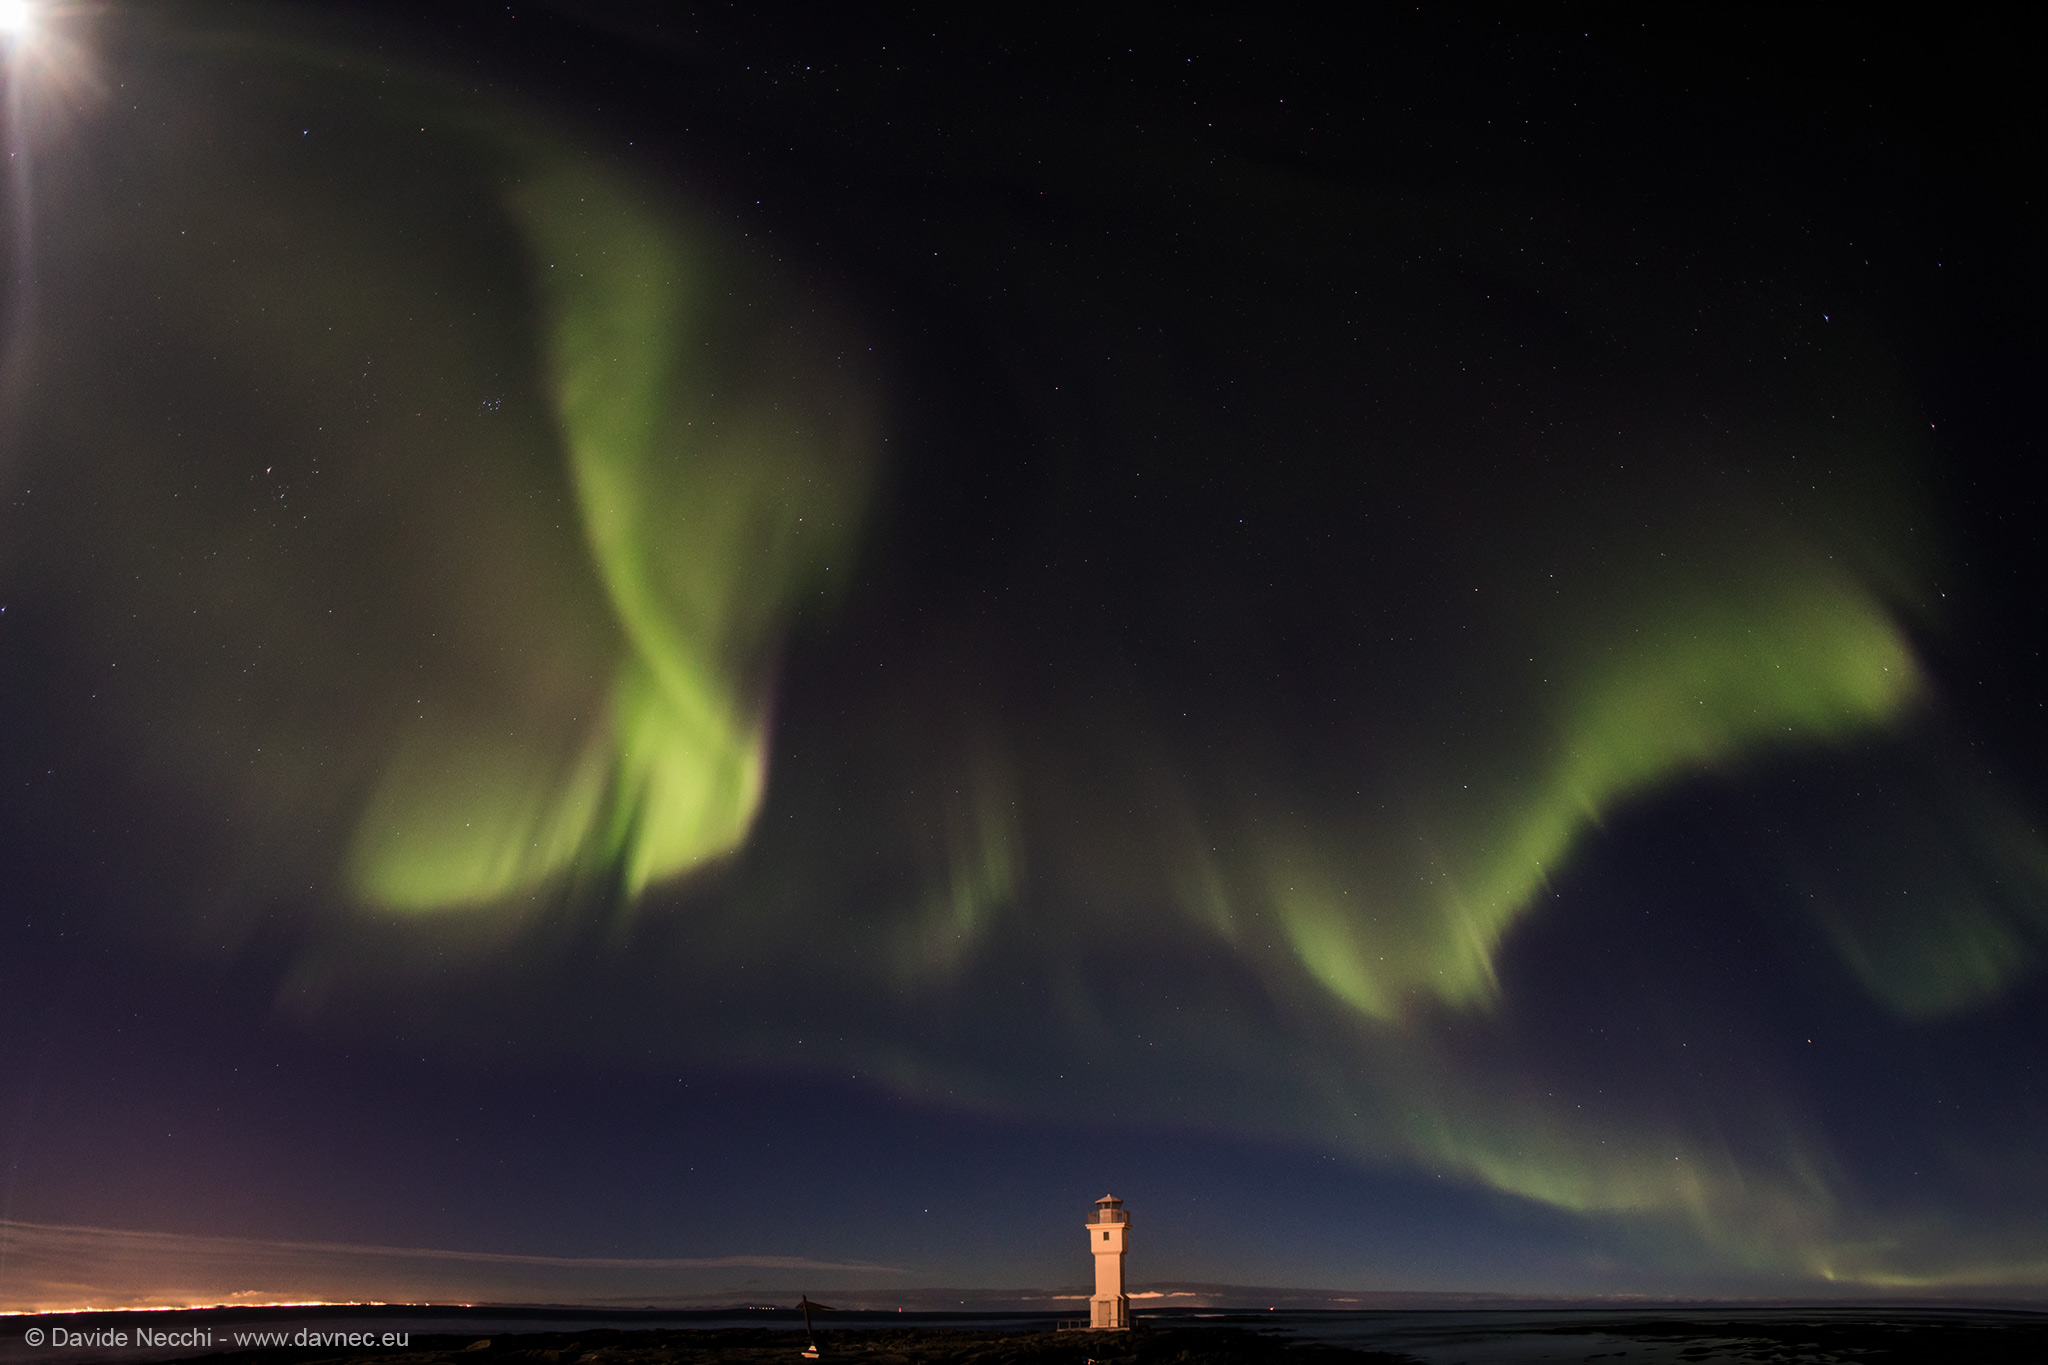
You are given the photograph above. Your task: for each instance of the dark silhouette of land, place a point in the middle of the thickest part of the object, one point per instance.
(1781, 1336)
(881, 1346)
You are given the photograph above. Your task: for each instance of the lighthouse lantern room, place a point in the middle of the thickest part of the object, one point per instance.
(1109, 1230)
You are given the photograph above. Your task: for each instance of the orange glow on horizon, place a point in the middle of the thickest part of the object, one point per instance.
(194, 1307)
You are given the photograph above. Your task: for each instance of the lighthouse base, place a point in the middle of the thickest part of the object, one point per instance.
(1111, 1314)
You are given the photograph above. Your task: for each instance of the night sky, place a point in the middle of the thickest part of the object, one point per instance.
(787, 642)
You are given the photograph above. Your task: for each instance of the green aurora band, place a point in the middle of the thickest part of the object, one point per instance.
(1806, 656)
(706, 515)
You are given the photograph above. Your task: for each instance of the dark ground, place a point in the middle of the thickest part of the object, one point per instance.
(910, 1346)
(1957, 1341)
(1965, 1339)
(865, 1347)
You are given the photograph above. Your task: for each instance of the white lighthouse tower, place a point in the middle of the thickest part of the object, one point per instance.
(1109, 1230)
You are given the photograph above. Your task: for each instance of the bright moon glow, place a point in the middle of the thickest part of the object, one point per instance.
(17, 17)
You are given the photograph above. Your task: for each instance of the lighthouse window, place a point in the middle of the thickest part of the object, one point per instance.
(1105, 1237)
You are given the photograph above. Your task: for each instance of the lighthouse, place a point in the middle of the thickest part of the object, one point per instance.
(1109, 1230)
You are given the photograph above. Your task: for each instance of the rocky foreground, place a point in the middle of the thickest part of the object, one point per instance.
(1775, 1338)
(911, 1346)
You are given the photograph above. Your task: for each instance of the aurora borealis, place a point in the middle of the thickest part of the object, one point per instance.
(760, 642)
